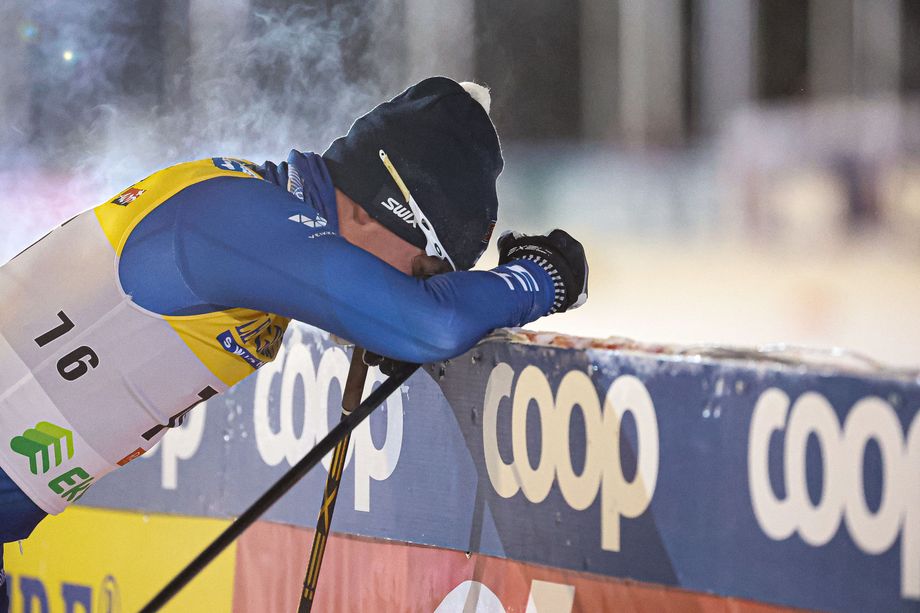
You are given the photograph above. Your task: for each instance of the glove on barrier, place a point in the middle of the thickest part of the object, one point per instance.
(558, 254)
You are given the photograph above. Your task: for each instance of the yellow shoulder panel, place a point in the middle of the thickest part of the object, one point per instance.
(232, 343)
(124, 211)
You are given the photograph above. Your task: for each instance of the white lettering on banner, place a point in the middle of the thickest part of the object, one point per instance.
(544, 596)
(295, 362)
(179, 443)
(602, 470)
(843, 493)
(547, 596)
(371, 462)
(292, 362)
(471, 596)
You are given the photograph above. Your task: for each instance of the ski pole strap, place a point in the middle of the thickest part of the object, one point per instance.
(281, 487)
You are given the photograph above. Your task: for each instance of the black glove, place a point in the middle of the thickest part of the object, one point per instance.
(557, 253)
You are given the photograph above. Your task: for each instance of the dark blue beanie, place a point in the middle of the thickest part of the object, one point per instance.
(445, 148)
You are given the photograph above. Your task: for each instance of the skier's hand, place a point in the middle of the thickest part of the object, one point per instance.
(387, 365)
(557, 253)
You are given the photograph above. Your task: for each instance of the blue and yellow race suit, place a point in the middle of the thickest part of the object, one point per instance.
(122, 319)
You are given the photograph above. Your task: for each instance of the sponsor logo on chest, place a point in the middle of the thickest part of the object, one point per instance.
(310, 222)
(256, 342)
(235, 165)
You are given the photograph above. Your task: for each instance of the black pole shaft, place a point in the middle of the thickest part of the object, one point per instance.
(281, 487)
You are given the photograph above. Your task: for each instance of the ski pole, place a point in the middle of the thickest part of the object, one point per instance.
(423, 267)
(281, 487)
(351, 398)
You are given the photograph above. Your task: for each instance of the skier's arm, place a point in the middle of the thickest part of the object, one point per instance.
(271, 263)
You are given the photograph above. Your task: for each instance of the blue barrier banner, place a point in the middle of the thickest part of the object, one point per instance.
(786, 484)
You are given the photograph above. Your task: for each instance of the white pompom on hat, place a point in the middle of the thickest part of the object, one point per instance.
(479, 93)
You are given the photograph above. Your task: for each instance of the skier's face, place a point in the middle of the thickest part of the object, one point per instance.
(361, 230)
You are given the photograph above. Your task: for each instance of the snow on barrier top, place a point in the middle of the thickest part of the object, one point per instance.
(761, 475)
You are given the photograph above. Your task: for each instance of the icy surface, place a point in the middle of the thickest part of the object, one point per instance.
(830, 360)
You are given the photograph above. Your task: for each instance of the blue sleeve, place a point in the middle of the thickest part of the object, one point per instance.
(238, 246)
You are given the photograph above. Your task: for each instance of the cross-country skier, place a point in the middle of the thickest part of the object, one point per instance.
(119, 321)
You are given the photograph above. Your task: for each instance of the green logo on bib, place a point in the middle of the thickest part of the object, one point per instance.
(37, 444)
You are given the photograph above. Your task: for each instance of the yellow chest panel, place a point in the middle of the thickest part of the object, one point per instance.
(232, 343)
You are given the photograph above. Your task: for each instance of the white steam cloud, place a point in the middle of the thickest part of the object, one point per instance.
(228, 79)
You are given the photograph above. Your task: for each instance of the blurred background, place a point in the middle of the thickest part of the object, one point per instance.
(743, 172)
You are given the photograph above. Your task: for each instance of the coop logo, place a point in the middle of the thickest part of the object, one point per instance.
(400, 210)
(602, 472)
(44, 444)
(309, 381)
(843, 497)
